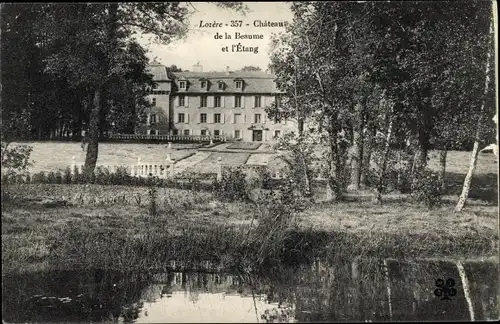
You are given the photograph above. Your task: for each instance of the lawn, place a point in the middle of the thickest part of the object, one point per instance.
(244, 146)
(54, 156)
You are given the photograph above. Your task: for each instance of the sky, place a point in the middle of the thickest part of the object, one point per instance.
(200, 45)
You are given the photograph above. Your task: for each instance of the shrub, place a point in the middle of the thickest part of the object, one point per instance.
(427, 188)
(51, 177)
(66, 176)
(120, 177)
(275, 211)
(232, 187)
(265, 175)
(39, 177)
(153, 183)
(102, 176)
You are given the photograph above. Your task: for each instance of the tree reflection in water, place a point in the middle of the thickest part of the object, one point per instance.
(360, 289)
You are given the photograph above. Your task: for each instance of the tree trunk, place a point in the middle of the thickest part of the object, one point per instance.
(93, 134)
(473, 160)
(442, 168)
(307, 183)
(369, 143)
(333, 192)
(356, 151)
(419, 163)
(385, 157)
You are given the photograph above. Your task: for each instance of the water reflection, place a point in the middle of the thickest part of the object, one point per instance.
(354, 290)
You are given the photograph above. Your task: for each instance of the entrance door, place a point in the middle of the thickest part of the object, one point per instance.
(257, 136)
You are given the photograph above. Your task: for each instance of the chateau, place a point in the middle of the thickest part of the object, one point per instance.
(227, 104)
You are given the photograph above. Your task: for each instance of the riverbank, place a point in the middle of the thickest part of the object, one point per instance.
(114, 227)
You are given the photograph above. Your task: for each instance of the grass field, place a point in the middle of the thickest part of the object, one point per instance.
(34, 236)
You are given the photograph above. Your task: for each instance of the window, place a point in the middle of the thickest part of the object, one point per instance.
(175, 132)
(148, 132)
(257, 119)
(203, 132)
(277, 133)
(203, 84)
(237, 118)
(216, 118)
(186, 132)
(157, 132)
(237, 101)
(217, 101)
(237, 134)
(180, 118)
(239, 84)
(182, 85)
(152, 119)
(182, 101)
(203, 118)
(220, 86)
(257, 101)
(154, 102)
(216, 132)
(203, 101)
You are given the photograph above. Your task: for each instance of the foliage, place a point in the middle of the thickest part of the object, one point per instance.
(301, 156)
(337, 61)
(427, 188)
(232, 186)
(251, 68)
(16, 158)
(153, 196)
(275, 211)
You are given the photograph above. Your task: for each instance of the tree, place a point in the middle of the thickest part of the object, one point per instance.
(468, 179)
(173, 68)
(93, 42)
(336, 59)
(322, 73)
(251, 68)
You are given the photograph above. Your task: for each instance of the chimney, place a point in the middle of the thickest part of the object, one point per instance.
(227, 70)
(198, 67)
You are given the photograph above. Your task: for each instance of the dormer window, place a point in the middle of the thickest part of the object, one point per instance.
(182, 84)
(203, 84)
(239, 84)
(220, 85)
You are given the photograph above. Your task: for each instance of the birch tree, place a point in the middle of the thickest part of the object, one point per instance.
(473, 160)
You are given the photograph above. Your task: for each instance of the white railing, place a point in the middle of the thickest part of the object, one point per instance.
(174, 138)
(162, 169)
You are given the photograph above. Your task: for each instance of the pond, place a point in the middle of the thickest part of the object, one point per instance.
(360, 289)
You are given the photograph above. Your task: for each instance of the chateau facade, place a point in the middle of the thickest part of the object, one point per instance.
(228, 104)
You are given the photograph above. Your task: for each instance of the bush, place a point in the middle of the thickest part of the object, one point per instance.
(153, 183)
(52, 178)
(232, 187)
(67, 176)
(39, 178)
(265, 175)
(427, 188)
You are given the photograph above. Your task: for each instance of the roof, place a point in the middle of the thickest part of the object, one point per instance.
(254, 81)
(158, 71)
